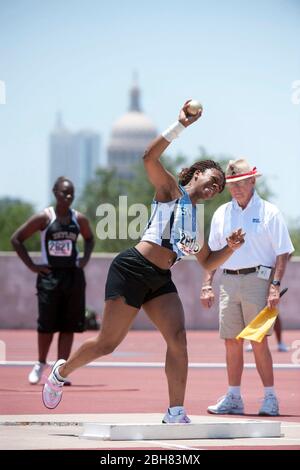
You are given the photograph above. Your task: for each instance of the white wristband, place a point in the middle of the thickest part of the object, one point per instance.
(173, 131)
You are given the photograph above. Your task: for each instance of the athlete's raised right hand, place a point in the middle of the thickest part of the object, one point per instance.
(185, 118)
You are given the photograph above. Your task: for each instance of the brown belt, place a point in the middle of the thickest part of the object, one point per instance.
(241, 271)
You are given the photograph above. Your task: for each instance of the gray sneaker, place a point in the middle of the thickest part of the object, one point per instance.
(282, 347)
(269, 406)
(227, 405)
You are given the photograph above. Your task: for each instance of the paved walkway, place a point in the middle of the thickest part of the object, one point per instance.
(64, 432)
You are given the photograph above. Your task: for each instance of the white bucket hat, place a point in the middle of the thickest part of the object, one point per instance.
(238, 170)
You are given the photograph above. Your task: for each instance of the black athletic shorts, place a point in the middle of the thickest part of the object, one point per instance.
(136, 279)
(61, 301)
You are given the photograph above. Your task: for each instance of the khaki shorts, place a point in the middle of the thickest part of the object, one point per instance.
(242, 297)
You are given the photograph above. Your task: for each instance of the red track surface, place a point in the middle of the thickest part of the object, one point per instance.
(138, 390)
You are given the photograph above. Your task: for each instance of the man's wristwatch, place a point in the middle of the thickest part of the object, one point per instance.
(275, 283)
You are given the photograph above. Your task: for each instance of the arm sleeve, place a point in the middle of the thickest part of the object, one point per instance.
(279, 235)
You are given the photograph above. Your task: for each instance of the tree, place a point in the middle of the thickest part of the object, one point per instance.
(13, 213)
(104, 189)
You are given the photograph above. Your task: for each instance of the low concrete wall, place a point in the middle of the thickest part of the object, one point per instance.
(18, 303)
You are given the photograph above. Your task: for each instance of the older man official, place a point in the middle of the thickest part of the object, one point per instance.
(250, 280)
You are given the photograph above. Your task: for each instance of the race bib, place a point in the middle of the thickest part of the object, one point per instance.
(188, 244)
(60, 247)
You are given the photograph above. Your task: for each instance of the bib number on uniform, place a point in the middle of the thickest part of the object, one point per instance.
(60, 247)
(188, 244)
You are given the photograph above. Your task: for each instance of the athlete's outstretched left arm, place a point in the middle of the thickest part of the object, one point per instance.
(210, 260)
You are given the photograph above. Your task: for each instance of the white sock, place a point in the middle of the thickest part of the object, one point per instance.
(269, 391)
(235, 390)
(58, 376)
(175, 410)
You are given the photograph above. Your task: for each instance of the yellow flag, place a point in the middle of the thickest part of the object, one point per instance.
(260, 325)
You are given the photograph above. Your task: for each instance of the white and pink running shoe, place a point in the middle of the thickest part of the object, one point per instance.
(53, 388)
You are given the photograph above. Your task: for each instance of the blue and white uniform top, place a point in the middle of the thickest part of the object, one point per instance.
(58, 241)
(174, 225)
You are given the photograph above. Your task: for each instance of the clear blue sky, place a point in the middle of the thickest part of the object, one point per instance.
(239, 58)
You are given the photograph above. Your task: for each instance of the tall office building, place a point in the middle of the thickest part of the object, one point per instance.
(74, 155)
(130, 136)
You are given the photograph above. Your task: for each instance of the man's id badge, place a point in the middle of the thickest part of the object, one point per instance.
(264, 272)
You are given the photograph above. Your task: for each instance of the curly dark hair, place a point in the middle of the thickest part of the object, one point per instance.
(59, 180)
(186, 174)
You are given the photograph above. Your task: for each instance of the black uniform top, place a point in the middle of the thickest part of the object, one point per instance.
(58, 241)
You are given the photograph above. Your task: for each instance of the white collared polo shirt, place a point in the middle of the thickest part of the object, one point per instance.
(266, 237)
